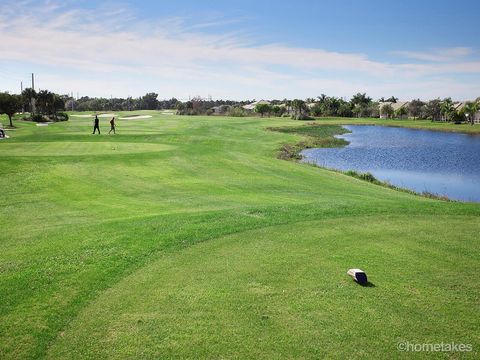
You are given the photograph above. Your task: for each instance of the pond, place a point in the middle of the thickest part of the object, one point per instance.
(437, 162)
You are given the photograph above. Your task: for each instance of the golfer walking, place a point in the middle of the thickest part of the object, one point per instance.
(96, 125)
(112, 125)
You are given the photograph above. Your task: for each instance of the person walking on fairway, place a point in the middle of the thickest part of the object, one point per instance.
(112, 125)
(96, 125)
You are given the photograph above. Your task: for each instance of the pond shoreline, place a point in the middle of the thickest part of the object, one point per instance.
(446, 164)
(327, 139)
(436, 126)
(314, 136)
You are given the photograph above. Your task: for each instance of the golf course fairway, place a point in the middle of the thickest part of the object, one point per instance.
(186, 237)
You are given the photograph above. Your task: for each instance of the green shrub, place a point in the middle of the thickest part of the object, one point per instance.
(237, 112)
(38, 118)
(61, 116)
(457, 118)
(363, 176)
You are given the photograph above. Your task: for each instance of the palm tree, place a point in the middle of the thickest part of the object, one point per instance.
(469, 110)
(361, 99)
(29, 95)
(299, 107)
(392, 99)
(322, 98)
(447, 109)
(45, 101)
(288, 105)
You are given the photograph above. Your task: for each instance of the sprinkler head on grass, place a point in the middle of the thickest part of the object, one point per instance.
(358, 275)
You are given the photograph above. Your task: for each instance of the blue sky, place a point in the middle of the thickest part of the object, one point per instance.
(243, 49)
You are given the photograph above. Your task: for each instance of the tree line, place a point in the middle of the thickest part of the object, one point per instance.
(361, 105)
(41, 106)
(45, 105)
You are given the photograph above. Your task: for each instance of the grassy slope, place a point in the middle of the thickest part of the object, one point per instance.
(104, 251)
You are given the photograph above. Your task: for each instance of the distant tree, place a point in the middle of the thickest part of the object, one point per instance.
(168, 104)
(392, 99)
(58, 104)
(45, 101)
(447, 109)
(360, 104)
(415, 108)
(322, 98)
(371, 110)
(387, 110)
(457, 117)
(382, 99)
(317, 109)
(360, 99)
(401, 112)
(29, 95)
(299, 109)
(433, 110)
(288, 105)
(263, 109)
(278, 110)
(10, 104)
(356, 111)
(469, 110)
(180, 107)
(332, 105)
(149, 101)
(344, 109)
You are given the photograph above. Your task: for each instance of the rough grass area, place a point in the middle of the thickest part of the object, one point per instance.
(185, 237)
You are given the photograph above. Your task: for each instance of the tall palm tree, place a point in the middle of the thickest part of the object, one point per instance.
(29, 95)
(322, 98)
(46, 101)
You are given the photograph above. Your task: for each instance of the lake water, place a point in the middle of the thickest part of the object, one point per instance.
(438, 162)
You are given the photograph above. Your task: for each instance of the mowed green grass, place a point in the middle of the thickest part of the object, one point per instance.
(185, 237)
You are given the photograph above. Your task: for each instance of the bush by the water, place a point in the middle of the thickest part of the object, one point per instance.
(363, 176)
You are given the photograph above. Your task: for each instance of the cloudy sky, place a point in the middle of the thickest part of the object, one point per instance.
(243, 49)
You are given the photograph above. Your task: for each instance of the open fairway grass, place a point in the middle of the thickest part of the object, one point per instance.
(186, 237)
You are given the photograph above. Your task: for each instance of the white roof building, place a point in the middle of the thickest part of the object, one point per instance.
(251, 107)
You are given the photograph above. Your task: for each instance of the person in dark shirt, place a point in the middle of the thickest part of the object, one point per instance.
(2, 133)
(96, 125)
(112, 125)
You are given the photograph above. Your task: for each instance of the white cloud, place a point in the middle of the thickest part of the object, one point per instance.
(437, 55)
(113, 52)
